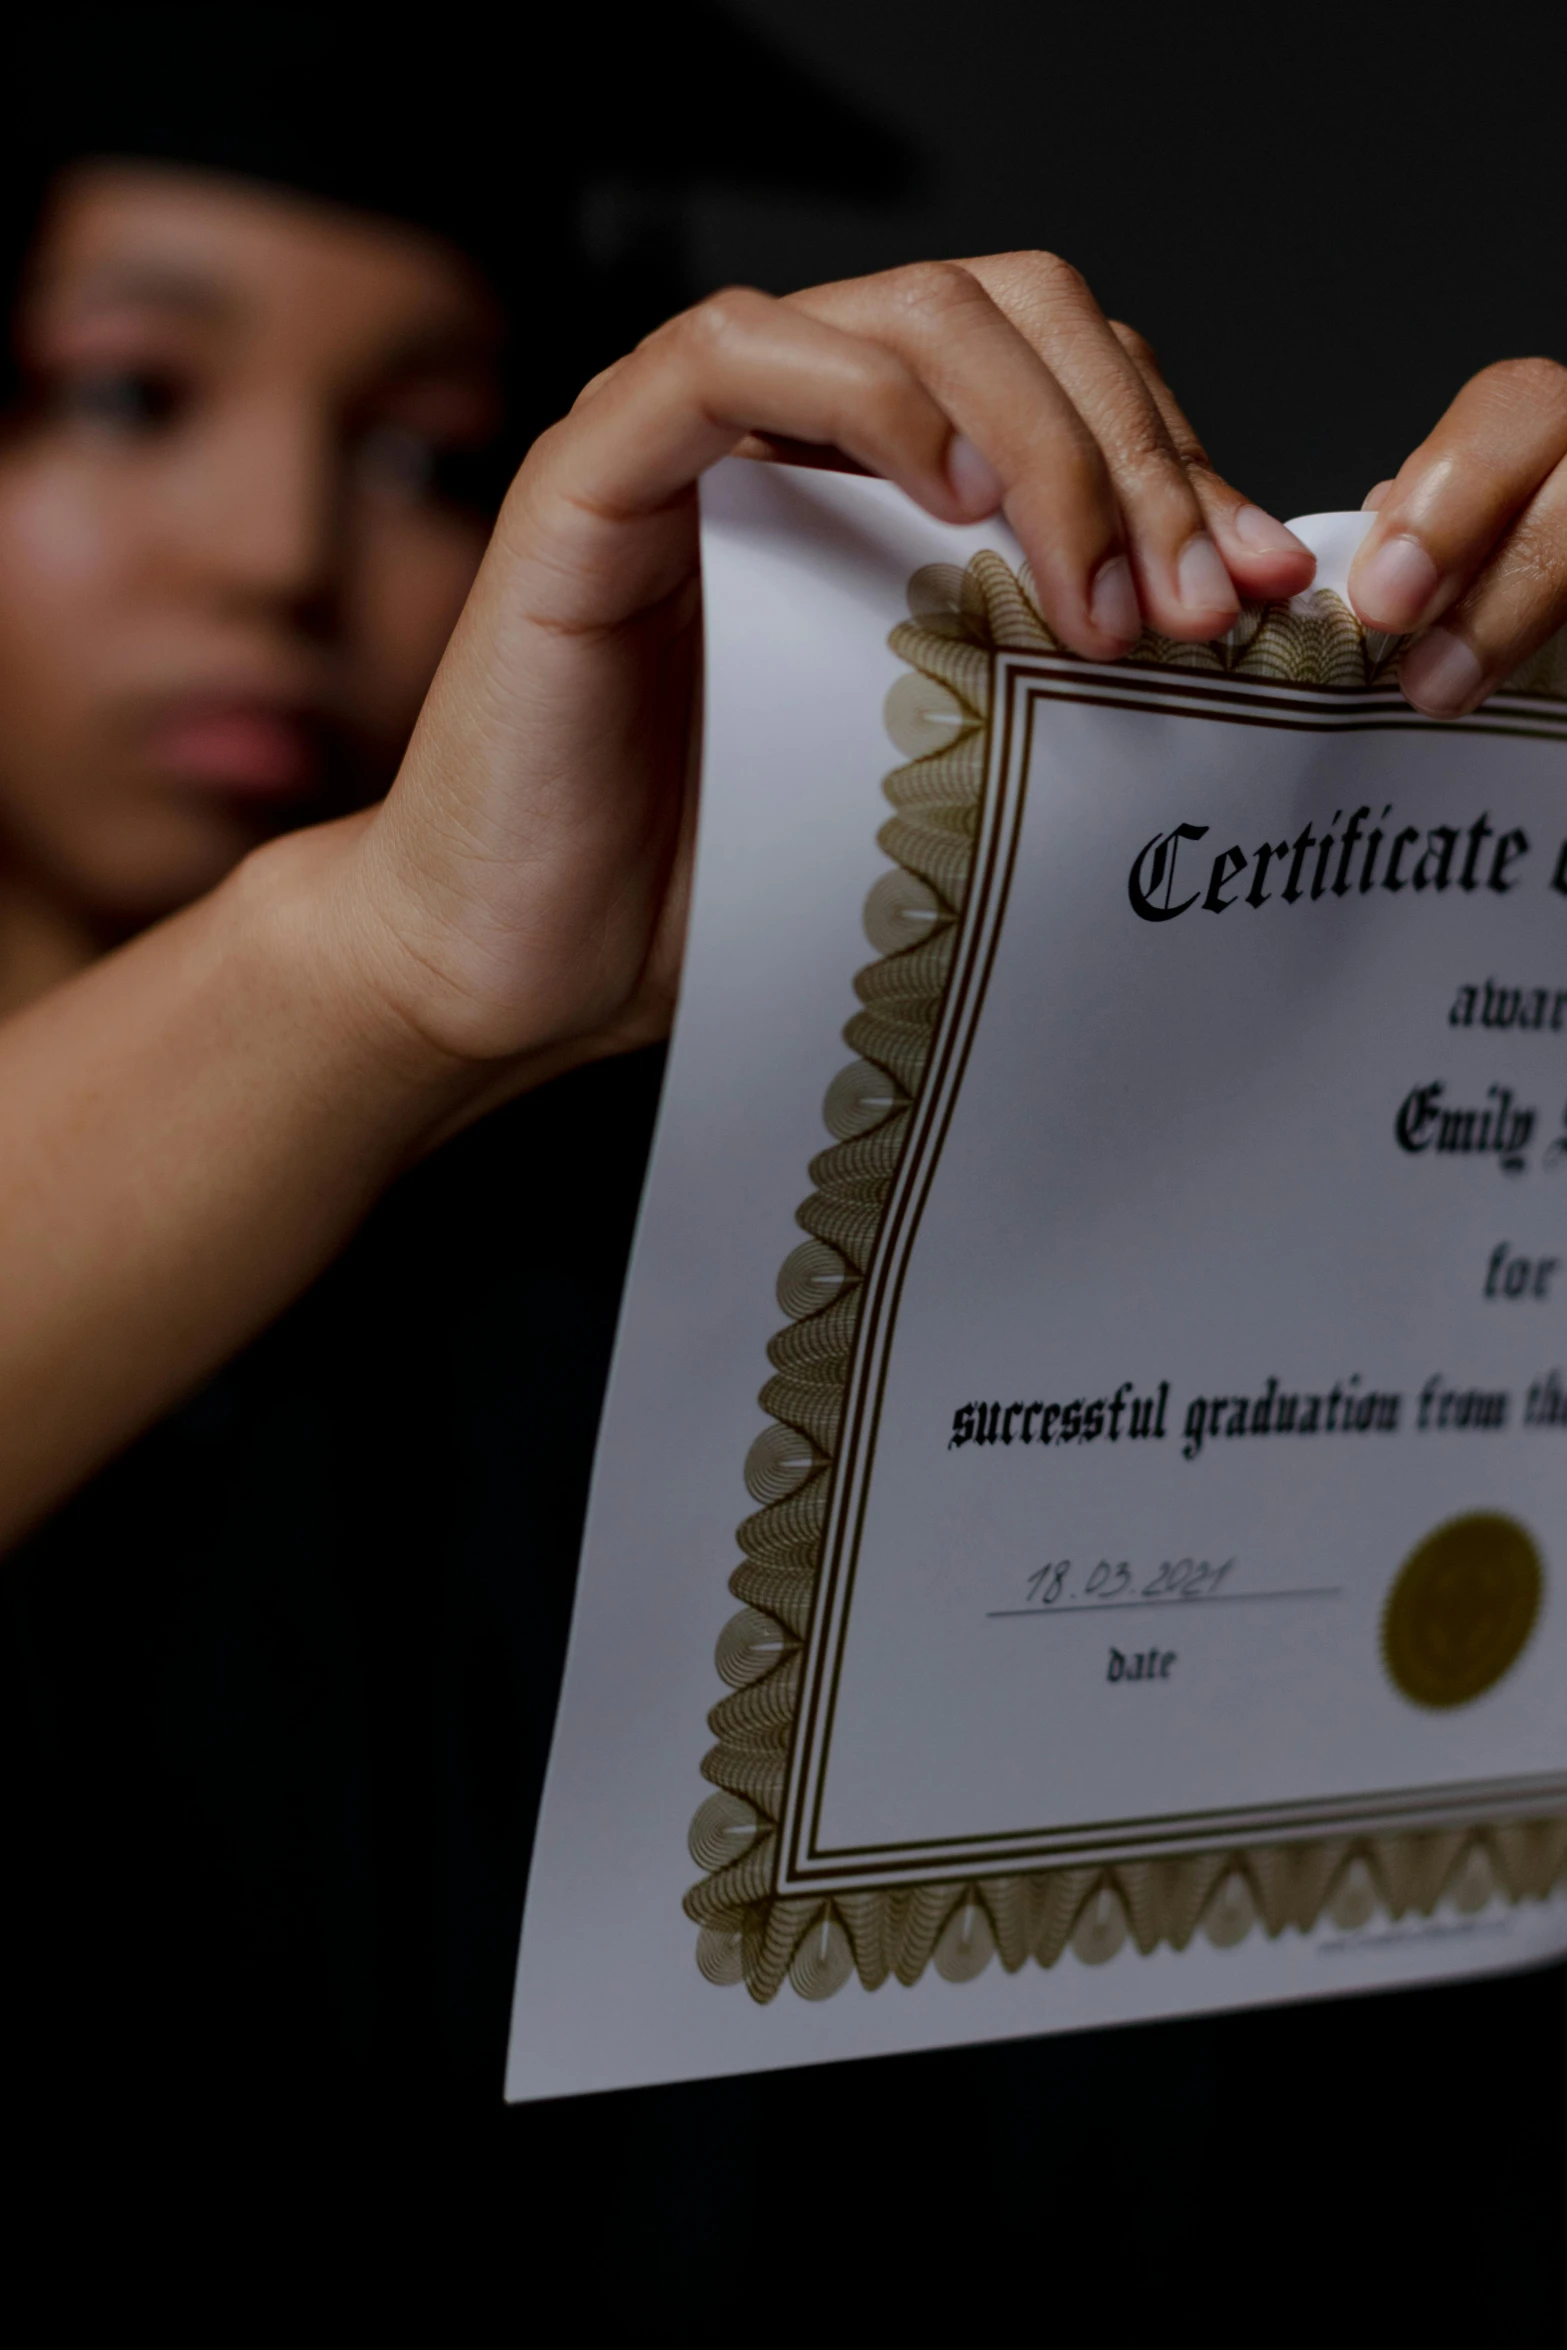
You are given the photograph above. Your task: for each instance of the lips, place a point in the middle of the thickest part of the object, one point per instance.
(241, 749)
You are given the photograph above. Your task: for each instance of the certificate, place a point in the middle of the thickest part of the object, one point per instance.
(1079, 1524)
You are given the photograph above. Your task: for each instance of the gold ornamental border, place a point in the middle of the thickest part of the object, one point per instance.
(939, 716)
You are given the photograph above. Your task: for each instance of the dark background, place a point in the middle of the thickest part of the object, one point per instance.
(1323, 219)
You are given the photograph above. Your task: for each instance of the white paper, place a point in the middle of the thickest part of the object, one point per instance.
(1150, 1164)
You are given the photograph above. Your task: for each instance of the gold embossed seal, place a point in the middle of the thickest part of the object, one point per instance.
(1461, 1609)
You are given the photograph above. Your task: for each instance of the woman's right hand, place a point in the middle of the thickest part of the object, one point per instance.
(521, 895)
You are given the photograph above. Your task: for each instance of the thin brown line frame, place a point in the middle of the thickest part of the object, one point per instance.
(1001, 823)
(1018, 686)
(774, 1906)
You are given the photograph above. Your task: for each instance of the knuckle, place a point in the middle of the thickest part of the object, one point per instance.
(546, 445)
(1536, 556)
(1135, 345)
(549, 458)
(715, 323)
(1141, 442)
(596, 383)
(936, 288)
(1053, 274)
(1532, 383)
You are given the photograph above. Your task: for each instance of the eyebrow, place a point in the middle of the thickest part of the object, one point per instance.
(189, 294)
(151, 284)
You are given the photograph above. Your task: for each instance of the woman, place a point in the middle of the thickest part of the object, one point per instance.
(293, 1477)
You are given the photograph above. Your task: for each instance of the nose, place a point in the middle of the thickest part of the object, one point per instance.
(257, 520)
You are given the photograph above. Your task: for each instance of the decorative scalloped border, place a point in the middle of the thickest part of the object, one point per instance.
(939, 715)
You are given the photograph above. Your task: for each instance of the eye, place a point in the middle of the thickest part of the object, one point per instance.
(397, 463)
(121, 400)
(411, 468)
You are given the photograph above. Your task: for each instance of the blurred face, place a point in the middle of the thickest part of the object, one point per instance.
(229, 561)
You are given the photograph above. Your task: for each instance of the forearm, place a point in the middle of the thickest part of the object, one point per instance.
(188, 1133)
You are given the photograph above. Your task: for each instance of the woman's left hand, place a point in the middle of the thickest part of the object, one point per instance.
(1470, 541)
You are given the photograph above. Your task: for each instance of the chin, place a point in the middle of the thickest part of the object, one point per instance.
(148, 871)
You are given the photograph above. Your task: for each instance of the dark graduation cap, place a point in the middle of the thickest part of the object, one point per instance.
(487, 129)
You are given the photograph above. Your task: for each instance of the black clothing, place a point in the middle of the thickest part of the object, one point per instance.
(288, 1667)
(277, 1691)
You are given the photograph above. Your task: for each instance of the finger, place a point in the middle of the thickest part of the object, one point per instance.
(1376, 498)
(596, 383)
(1518, 601)
(1265, 559)
(1455, 497)
(1177, 507)
(738, 363)
(1058, 496)
(1182, 581)
(811, 456)
(1015, 345)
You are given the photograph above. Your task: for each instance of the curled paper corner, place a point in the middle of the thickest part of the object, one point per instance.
(1335, 540)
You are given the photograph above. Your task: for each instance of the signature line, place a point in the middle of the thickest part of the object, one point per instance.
(1122, 1607)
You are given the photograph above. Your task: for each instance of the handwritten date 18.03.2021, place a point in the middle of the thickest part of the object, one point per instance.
(1115, 1582)
(1059, 1588)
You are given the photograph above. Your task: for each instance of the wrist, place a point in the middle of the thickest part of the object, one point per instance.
(375, 1021)
(299, 913)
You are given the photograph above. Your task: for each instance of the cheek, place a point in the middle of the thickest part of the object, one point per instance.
(61, 543)
(55, 551)
(63, 575)
(405, 588)
(73, 598)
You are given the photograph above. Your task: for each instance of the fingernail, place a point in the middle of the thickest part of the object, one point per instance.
(1395, 584)
(1442, 675)
(975, 481)
(1201, 579)
(1112, 606)
(1263, 535)
(1375, 498)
